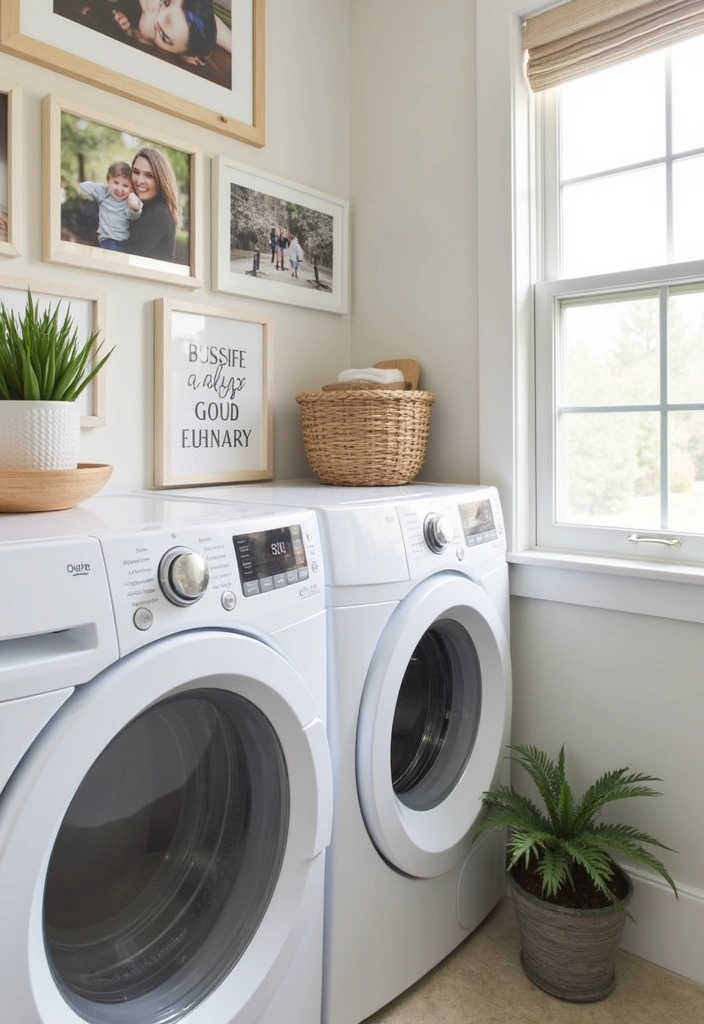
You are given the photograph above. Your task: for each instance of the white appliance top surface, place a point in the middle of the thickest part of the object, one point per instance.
(313, 494)
(136, 512)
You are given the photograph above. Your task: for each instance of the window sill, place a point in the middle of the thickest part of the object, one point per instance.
(636, 587)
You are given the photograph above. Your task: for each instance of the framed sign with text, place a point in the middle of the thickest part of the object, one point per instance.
(213, 418)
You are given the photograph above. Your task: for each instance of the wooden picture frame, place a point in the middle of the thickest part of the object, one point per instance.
(78, 141)
(87, 308)
(82, 38)
(10, 121)
(213, 419)
(246, 206)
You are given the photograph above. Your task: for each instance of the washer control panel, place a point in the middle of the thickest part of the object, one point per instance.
(270, 559)
(222, 572)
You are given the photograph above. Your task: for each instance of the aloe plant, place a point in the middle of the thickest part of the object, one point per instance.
(41, 357)
(566, 834)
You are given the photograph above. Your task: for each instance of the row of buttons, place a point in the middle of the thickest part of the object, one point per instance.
(275, 582)
(480, 538)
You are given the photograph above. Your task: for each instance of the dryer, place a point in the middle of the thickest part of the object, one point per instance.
(419, 703)
(165, 778)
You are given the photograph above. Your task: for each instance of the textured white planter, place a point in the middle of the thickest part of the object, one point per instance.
(39, 435)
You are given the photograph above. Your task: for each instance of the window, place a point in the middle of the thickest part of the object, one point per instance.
(619, 310)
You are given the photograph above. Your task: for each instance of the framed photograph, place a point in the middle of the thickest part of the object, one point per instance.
(87, 309)
(118, 199)
(206, 66)
(9, 169)
(212, 381)
(276, 240)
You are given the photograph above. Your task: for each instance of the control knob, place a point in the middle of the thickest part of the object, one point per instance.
(183, 576)
(438, 531)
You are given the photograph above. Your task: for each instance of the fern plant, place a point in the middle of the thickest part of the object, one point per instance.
(566, 834)
(41, 357)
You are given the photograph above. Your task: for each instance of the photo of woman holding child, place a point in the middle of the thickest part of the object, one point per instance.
(124, 194)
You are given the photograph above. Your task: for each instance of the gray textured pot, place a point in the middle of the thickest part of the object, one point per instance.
(569, 953)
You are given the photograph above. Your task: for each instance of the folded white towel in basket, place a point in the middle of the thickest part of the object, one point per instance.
(373, 374)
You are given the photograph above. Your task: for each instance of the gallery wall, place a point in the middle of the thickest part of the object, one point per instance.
(307, 143)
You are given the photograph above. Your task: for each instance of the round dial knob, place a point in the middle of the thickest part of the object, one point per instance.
(183, 576)
(438, 532)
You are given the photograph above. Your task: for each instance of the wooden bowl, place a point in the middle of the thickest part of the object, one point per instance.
(52, 489)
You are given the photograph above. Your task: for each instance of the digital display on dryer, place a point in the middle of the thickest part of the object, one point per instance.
(270, 559)
(477, 522)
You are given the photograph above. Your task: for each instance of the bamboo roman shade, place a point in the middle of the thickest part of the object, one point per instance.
(584, 35)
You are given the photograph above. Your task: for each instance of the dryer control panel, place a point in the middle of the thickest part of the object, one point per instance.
(453, 531)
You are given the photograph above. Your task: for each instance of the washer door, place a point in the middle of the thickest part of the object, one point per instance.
(156, 844)
(432, 725)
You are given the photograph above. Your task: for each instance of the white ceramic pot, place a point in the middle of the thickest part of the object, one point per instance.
(39, 435)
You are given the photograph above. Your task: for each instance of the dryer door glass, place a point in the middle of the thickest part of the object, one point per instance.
(436, 717)
(166, 859)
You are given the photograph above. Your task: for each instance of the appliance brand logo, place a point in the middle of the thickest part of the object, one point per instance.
(78, 568)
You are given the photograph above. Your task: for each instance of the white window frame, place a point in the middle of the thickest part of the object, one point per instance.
(662, 546)
(507, 251)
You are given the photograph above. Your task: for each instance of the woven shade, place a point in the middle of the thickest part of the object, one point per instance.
(585, 35)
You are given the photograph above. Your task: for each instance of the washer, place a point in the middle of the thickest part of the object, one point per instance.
(419, 703)
(165, 777)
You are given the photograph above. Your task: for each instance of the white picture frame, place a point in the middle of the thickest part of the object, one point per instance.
(73, 37)
(87, 308)
(10, 177)
(69, 237)
(213, 418)
(243, 259)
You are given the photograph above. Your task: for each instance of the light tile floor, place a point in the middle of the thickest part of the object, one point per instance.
(482, 983)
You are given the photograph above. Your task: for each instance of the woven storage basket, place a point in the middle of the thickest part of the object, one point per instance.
(366, 437)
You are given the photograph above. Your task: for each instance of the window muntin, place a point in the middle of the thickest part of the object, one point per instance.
(620, 313)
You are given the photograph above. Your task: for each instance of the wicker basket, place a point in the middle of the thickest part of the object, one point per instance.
(365, 437)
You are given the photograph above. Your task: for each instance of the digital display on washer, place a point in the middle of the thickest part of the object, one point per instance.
(477, 522)
(270, 559)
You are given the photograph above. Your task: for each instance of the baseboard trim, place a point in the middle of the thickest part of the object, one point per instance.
(666, 931)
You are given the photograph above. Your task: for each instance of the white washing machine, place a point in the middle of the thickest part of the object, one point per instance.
(165, 778)
(419, 702)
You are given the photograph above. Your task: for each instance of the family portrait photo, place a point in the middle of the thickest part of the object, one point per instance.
(195, 35)
(125, 200)
(278, 240)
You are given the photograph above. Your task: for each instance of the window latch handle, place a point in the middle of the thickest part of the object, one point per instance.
(670, 542)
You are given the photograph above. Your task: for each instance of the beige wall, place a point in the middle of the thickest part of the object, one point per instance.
(307, 104)
(412, 133)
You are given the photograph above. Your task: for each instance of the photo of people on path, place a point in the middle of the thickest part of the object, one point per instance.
(278, 240)
(195, 35)
(123, 193)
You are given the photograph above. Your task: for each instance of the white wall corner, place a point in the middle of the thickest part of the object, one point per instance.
(667, 931)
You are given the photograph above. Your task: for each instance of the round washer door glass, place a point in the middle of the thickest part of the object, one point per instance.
(433, 723)
(167, 858)
(437, 715)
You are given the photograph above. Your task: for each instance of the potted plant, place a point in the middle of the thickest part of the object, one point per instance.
(570, 896)
(43, 370)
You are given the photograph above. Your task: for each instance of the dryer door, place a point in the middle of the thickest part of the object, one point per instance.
(433, 723)
(158, 842)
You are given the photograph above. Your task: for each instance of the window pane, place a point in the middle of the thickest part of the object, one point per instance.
(614, 223)
(688, 209)
(686, 347)
(686, 483)
(613, 118)
(609, 470)
(687, 91)
(611, 353)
